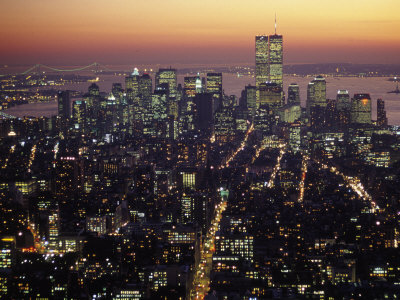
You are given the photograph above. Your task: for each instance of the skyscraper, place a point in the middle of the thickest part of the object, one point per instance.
(275, 59)
(167, 76)
(316, 94)
(214, 87)
(361, 109)
(262, 72)
(343, 106)
(204, 111)
(64, 104)
(145, 90)
(381, 113)
(269, 60)
(189, 86)
(271, 95)
(214, 84)
(249, 95)
(79, 114)
(132, 85)
(293, 94)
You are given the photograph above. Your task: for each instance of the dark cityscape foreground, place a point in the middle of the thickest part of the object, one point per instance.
(163, 191)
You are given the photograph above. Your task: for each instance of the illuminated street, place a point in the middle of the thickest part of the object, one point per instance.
(277, 167)
(201, 281)
(353, 182)
(242, 145)
(32, 157)
(12, 149)
(304, 165)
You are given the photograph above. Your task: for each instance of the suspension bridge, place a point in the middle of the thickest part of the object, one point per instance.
(95, 67)
(3, 115)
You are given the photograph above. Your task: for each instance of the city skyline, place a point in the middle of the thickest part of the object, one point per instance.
(181, 32)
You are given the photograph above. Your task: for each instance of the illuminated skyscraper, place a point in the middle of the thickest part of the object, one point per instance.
(167, 76)
(262, 72)
(79, 114)
(145, 90)
(249, 97)
(189, 86)
(117, 92)
(316, 93)
(360, 109)
(94, 95)
(316, 101)
(64, 104)
(269, 60)
(381, 113)
(293, 94)
(132, 86)
(343, 106)
(199, 85)
(270, 94)
(275, 59)
(214, 85)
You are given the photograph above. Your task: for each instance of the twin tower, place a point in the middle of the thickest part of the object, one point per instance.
(269, 67)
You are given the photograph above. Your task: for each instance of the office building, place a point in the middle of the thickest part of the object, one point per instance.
(270, 94)
(132, 86)
(343, 106)
(262, 71)
(249, 98)
(167, 76)
(316, 93)
(64, 104)
(275, 60)
(381, 113)
(360, 109)
(293, 94)
(145, 90)
(79, 114)
(189, 86)
(214, 85)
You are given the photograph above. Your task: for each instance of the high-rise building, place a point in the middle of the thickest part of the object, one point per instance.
(262, 71)
(214, 85)
(145, 90)
(270, 94)
(293, 94)
(117, 92)
(360, 109)
(275, 60)
(189, 86)
(204, 111)
(381, 113)
(64, 104)
(132, 86)
(269, 60)
(79, 114)
(224, 125)
(316, 93)
(167, 76)
(343, 106)
(187, 209)
(249, 98)
(7, 248)
(94, 95)
(199, 84)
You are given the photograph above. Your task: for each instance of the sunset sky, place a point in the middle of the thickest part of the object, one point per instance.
(203, 31)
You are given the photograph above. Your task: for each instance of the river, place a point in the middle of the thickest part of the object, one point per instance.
(377, 87)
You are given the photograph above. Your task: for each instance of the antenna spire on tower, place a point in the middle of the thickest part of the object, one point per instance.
(275, 23)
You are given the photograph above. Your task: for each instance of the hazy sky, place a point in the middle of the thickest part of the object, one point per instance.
(202, 31)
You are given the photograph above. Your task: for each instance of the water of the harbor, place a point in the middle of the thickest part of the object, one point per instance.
(233, 84)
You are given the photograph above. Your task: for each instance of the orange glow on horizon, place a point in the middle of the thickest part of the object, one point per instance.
(351, 31)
